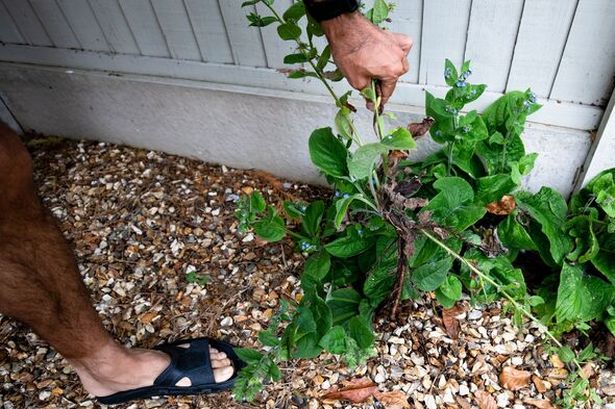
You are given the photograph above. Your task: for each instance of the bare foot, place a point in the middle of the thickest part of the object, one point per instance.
(117, 369)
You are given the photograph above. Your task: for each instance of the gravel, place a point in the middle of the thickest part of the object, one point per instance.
(141, 222)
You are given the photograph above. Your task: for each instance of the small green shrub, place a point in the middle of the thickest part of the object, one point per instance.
(454, 221)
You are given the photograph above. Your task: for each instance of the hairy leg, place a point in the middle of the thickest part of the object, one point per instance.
(41, 287)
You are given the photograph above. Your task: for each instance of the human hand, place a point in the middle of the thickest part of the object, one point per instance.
(363, 51)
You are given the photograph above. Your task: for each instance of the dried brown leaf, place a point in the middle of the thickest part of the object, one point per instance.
(514, 379)
(355, 391)
(450, 321)
(502, 207)
(484, 400)
(464, 403)
(539, 383)
(539, 403)
(393, 400)
(420, 128)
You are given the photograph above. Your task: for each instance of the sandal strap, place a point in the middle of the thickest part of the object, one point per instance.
(193, 363)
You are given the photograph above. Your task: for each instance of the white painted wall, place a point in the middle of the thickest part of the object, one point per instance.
(237, 126)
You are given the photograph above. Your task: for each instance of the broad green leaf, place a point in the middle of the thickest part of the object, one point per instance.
(361, 163)
(268, 339)
(604, 261)
(270, 228)
(450, 73)
(312, 218)
(451, 287)
(334, 340)
(603, 188)
(571, 294)
(324, 58)
(342, 122)
(379, 12)
(317, 265)
(344, 304)
(361, 331)
(274, 372)
(289, 31)
(472, 128)
(349, 245)
(453, 205)
(302, 74)
(294, 210)
(259, 21)
(377, 287)
(586, 245)
(296, 58)
(526, 163)
(257, 202)
(548, 209)
(341, 207)
(250, 3)
(328, 153)
(492, 188)
(249, 356)
(443, 114)
(514, 235)
(295, 12)
(401, 139)
(431, 275)
(566, 354)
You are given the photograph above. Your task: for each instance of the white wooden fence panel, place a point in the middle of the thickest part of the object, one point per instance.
(445, 26)
(28, 22)
(407, 19)
(177, 29)
(115, 27)
(8, 30)
(145, 27)
(586, 70)
(209, 30)
(55, 24)
(84, 24)
(491, 40)
(540, 44)
(246, 43)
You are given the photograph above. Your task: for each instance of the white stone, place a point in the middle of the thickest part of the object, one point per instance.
(430, 402)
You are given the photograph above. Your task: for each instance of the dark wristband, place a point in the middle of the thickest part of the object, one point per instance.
(328, 9)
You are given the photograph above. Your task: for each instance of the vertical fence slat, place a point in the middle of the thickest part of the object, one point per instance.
(246, 44)
(29, 25)
(445, 25)
(540, 43)
(55, 24)
(491, 39)
(586, 70)
(177, 29)
(8, 31)
(209, 30)
(114, 26)
(407, 19)
(84, 24)
(145, 28)
(275, 48)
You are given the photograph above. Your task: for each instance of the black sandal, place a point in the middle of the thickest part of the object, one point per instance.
(193, 363)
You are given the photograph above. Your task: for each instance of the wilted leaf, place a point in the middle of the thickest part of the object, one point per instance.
(484, 400)
(539, 384)
(450, 321)
(539, 403)
(355, 391)
(514, 379)
(502, 207)
(393, 400)
(420, 128)
(464, 403)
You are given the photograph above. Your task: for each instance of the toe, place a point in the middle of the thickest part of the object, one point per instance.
(219, 355)
(223, 374)
(220, 363)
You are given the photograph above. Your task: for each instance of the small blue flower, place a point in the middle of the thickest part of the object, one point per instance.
(532, 97)
(451, 110)
(447, 73)
(345, 195)
(438, 132)
(337, 194)
(466, 74)
(460, 84)
(466, 129)
(360, 232)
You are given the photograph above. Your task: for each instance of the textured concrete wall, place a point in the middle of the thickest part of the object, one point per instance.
(240, 127)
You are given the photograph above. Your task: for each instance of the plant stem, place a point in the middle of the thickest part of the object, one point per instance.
(500, 290)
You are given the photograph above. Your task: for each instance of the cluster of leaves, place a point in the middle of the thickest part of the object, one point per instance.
(456, 220)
